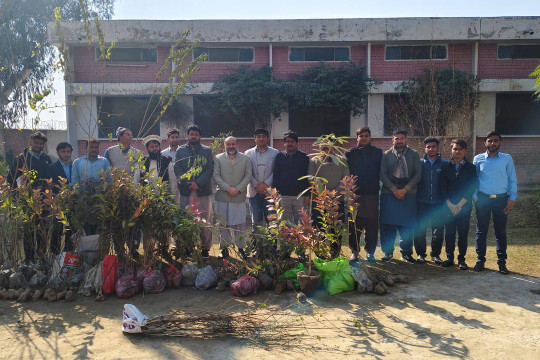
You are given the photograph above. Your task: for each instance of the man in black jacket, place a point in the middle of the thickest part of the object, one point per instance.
(458, 184)
(290, 165)
(62, 168)
(365, 162)
(31, 159)
(431, 209)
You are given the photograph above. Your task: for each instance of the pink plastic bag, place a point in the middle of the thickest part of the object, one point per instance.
(154, 282)
(110, 266)
(173, 276)
(245, 286)
(127, 286)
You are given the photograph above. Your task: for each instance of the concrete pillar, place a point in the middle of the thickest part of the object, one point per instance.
(375, 119)
(485, 121)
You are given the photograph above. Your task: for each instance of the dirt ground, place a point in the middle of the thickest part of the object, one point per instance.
(440, 314)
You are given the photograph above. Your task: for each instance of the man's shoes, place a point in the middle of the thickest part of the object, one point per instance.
(242, 254)
(421, 260)
(387, 257)
(502, 269)
(447, 263)
(224, 253)
(437, 260)
(408, 258)
(301, 257)
(371, 258)
(462, 266)
(479, 266)
(205, 254)
(353, 258)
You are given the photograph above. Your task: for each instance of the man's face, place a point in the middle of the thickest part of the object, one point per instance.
(431, 149)
(153, 147)
(37, 145)
(174, 140)
(261, 140)
(194, 137)
(290, 144)
(93, 150)
(458, 153)
(230, 146)
(126, 138)
(64, 154)
(493, 143)
(399, 141)
(363, 139)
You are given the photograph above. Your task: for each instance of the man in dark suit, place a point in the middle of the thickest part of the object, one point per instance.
(62, 168)
(31, 159)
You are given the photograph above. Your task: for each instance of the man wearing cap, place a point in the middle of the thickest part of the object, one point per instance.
(123, 156)
(262, 164)
(158, 166)
(232, 174)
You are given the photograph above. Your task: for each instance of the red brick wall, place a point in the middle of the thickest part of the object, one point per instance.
(489, 67)
(459, 57)
(283, 68)
(88, 70)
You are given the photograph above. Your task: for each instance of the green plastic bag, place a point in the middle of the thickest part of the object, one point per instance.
(291, 274)
(336, 274)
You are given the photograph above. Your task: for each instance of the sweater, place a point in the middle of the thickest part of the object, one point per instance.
(194, 158)
(287, 170)
(365, 164)
(429, 187)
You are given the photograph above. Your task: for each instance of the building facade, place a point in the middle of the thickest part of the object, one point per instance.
(502, 52)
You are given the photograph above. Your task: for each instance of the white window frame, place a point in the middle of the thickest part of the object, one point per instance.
(226, 47)
(317, 61)
(387, 45)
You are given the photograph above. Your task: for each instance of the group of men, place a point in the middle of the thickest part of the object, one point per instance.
(416, 193)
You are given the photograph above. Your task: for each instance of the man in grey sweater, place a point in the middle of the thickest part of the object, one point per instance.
(401, 172)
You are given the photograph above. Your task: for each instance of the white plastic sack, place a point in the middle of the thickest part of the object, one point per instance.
(206, 278)
(189, 274)
(133, 319)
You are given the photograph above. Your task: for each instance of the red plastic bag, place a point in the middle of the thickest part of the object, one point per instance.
(173, 276)
(245, 286)
(127, 286)
(110, 266)
(154, 282)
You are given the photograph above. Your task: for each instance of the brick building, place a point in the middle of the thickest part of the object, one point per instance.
(502, 52)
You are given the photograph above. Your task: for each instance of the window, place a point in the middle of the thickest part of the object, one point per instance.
(129, 112)
(214, 121)
(416, 52)
(394, 106)
(518, 52)
(130, 55)
(225, 54)
(517, 114)
(314, 122)
(319, 54)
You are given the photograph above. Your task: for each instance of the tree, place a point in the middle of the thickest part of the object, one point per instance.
(27, 59)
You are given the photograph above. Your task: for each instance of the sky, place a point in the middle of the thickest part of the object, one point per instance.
(287, 9)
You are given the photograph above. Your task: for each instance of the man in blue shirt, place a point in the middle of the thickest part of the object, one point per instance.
(89, 166)
(497, 193)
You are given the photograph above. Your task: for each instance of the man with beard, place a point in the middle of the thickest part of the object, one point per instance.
(497, 193)
(365, 163)
(232, 173)
(173, 137)
(156, 165)
(193, 167)
(31, 159)
(123, 156)
(400, 174)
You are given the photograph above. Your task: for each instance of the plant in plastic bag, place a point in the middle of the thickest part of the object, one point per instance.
(17, 281)
(206, 278)
(154, 282)
(245, 286)
(173, 276)
(127, 286)
(38, 281)
(189, 274)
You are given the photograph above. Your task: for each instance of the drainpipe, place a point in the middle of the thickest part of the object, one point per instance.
(368, 71)
(475, 114)
(270, 63)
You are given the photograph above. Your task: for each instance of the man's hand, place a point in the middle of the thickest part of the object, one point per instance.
(400, 194)
(232, 191)
(261, 188)
(454, 209)
(509, 206)
(193, 186)
(307, 199)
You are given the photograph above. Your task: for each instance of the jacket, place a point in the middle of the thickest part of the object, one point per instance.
(287, 170)
(388, 163)
(56, 171)
(227, 174)
(268, 169)
(429, 188)
(188, 158)
(455, 186)
(365, 163)
(25, 161)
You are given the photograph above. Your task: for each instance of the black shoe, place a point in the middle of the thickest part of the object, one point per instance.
(421, 259)
(479, 266)
(462, 265)
(371, 258)
(387, 257)
(502, 269)
(224, 254)
(242, 254)
(447, 263)
(408, 258)
(205, 254)
(353, 258)
(437, 260)
(301, 257)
